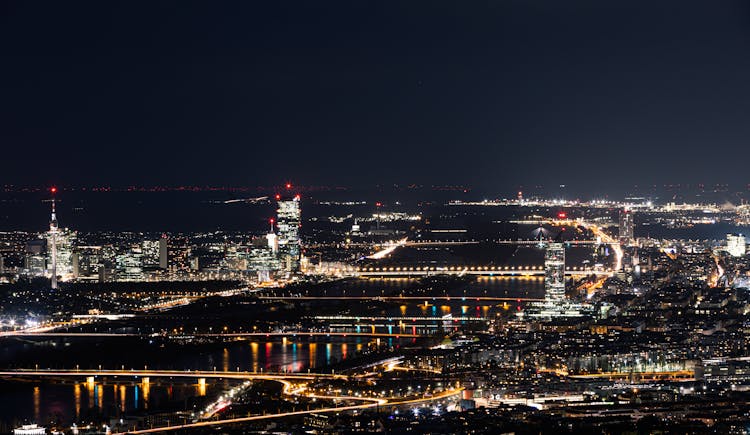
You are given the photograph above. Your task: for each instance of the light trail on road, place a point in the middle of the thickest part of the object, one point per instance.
(388, 250)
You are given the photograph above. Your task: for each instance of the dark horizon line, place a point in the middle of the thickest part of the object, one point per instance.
(73, 187)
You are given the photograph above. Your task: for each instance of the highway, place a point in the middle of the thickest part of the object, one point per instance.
(605, 238)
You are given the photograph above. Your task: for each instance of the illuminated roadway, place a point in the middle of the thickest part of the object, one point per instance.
(603, 238)
(389, 248)
(284, 379)
(370, 403)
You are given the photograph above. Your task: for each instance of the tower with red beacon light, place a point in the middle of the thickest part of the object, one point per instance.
(53, 238)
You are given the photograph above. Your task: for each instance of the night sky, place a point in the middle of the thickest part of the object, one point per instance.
(599, 93)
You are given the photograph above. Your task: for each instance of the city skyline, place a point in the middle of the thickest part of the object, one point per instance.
(336, 217)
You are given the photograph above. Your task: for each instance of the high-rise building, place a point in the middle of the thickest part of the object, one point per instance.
(163, 252)
(151, 254)
(35, 262)
(626, 227)
(128, 267)
(555, 303)
(288, 222)
(736, 245)
(179, 252)
(60, 253)
(262, 261)
(554, 271)
(86, 262)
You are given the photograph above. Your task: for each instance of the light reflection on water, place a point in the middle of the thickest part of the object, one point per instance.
(72, 402)
(40, 402)
(46, 402)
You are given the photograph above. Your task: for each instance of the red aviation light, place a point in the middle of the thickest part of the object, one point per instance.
(562, 215)
(278, 197)
(297, 197)
(288, 185)
(53, 189)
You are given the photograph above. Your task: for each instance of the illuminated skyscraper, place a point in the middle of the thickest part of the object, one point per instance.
(150, 252)
(288, 222)
(555, 303)
(626, 227)
(59, 248)
(61, 252)
(554, 271)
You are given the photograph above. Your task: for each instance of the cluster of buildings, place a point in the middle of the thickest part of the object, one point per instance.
(62, 254)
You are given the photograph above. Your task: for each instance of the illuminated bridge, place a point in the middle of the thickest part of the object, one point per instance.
(287, 334)
(536, 270)
(400, 298)
(523, 242)
(427, 325)
(401, 319)
(195, 374)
